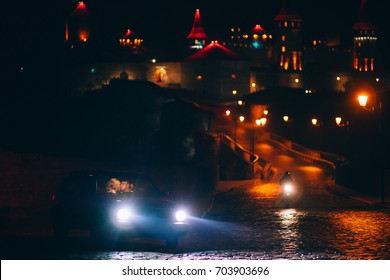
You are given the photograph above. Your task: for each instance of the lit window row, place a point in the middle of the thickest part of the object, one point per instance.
(365, 38)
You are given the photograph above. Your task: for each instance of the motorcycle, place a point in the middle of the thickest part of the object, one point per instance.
(288, 189)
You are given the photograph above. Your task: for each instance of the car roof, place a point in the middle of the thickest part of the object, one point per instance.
(107, 173)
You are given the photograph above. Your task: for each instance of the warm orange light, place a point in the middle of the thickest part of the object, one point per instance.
(241, 118)
(263, 121)
(227, 112)
(338, 120)
(285, 118)
(234, 91)
(258, 122)
(362, 100)
(253, 85)
(265, 112)
(240, 102)
(314, 121)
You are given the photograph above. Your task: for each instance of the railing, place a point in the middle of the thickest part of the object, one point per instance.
(255, 165)
(320, 158)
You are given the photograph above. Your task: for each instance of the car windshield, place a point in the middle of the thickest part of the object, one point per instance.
(126, 185)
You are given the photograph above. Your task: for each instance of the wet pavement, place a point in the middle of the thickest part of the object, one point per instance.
(248, 221)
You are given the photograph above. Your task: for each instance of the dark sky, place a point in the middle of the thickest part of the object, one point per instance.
(29, 25)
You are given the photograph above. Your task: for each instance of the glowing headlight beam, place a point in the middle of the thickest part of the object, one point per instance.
(123, 214)
(180, 215)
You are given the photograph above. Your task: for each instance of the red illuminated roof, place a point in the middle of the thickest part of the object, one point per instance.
(258, 29)
(288, 12)
(129, 33)
(197, 31)
(81, 10)
(214, 51)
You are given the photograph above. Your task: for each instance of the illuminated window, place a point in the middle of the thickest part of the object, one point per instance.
(285, 24)
(199, 77)
(283, 49)
(234, 76)
(283, 38)
(160, 74)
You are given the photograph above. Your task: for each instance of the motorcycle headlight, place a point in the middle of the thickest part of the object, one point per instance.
(288, 188)
(123, 214)
(180, 215)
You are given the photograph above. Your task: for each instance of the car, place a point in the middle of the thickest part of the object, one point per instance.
(112, 204)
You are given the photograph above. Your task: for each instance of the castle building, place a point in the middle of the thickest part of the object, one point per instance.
(247, 62)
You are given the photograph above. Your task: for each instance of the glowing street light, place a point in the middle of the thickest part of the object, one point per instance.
(285, 118)
(363, 100)
(314, 121)
(338, 120)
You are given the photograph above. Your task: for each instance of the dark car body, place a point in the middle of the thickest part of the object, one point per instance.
(111, 204)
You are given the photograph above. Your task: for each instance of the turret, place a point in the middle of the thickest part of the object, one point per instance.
(289, 37)
(197, 38)
(78, 29)
(364, 42)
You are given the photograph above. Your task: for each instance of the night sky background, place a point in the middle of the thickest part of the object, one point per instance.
(34, 30)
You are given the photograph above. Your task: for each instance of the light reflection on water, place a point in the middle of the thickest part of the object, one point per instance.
(354, 234)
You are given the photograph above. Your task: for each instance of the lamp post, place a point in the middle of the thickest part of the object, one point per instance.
(259, 122)
(240, 119)
(363, 99)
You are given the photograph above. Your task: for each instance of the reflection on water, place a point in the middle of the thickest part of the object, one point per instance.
(288, 229)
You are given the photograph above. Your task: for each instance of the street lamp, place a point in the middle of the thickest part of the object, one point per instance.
(363, 99)
(240, 119)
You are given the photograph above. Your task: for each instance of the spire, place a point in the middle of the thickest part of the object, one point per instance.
(197, 31)
(288, 12)
(81, 10)
(363, 21)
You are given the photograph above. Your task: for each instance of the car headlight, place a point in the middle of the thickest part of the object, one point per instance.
(180, 216)
(123, 214)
